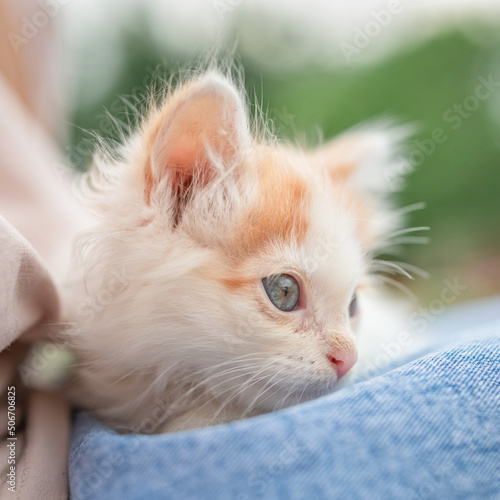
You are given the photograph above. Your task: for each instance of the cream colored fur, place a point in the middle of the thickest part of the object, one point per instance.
(171, 325)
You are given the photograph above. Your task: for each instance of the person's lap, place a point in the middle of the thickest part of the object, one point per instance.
(428, 429)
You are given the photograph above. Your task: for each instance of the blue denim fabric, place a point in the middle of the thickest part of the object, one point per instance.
(429, 429)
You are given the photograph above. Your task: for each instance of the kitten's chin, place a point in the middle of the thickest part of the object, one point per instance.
(291, 394)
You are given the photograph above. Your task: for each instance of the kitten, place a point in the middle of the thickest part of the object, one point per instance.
(220, 278)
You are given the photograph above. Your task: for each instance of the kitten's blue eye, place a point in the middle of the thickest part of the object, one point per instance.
(282, 290)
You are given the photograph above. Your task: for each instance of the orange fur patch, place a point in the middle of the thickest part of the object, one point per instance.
(235, 283)
(342, 172)
(279, 212)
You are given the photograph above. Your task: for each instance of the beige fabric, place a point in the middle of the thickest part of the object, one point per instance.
(38, 219)
(34, 195)
(28, 302)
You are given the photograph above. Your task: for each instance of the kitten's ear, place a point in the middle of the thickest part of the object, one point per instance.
(369, 161)
(201, 132)
(369, 157)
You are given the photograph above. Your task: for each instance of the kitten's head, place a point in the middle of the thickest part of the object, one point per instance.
(241, 256)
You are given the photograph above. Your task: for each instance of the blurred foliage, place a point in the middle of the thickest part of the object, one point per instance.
(459, 180)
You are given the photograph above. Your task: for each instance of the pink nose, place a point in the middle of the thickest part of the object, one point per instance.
(343, 361)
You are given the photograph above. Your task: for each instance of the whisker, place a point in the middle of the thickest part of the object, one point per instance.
(284, 398)
(410, 240)
(152, 386)
(421, 273)
(260, 394)
(414, 207)
(398, 285)
(238, 390)
(386, 263)
(409, 230)
(239, 368)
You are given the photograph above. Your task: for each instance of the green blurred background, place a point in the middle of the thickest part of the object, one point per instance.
(422, 81)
